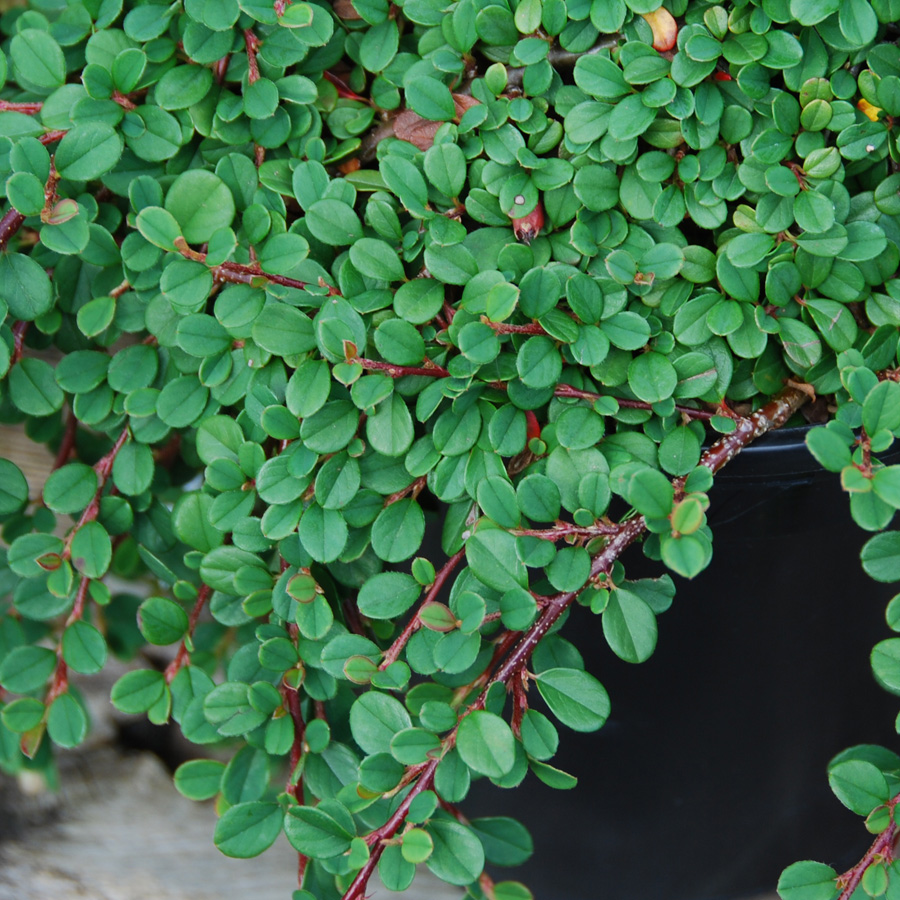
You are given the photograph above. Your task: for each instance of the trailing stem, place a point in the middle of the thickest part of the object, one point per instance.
(882, 850)
(772, 415)
(182, 656)
(393, 652)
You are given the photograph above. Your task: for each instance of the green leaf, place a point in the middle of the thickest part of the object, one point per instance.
(652, 377)
(808, 880)
(70, 488)
(497, 497)
(283, 330)
(162, 621)
(333, 222)
(398, 531)
(88, 151)
(648, 491)
(84, 648)
(458, 856)
(486, 744)
(575, 697)
(600, 77)
(880, 556)
(686, 554)
(506, 842)
(885, 659)
(228, 708)
(445, 166)
(38, 60)
(199, 779)
(91, 550)
(67, 722)
(377, 259)
(248, 829)
(13, 488)
(26, 668)
(158, 226)
(881, 408)
(629, 626)
(830, 449)
(491, 553)
(859, 785)
(24, 287)
(431, 99)
(374, 720)
(23, 714)
(388, 595)
(138, 691)
(201, 203)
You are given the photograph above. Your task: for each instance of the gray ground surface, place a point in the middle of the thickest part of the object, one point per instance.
(119, 831)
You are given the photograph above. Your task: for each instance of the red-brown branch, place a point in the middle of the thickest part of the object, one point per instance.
(566, 390)
(882, 848)
(239, 273)
(80, 601)
(19, 330)
(413, 625)
(103, 468)
(51, 137)
(772, 415)
(9, 225)
(251, 42)
(181, 657)
(506, 328)
(394, 371)
(123, 101)
(67, 443)
(29, 107)
(562, 529)
(221, 68)
(343, 89)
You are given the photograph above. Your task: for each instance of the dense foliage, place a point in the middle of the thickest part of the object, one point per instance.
(367, 336)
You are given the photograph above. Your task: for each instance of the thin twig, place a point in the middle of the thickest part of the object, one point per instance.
(181, 657)
(393, 652)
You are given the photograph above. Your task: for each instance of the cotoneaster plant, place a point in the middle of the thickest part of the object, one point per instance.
(287, 286)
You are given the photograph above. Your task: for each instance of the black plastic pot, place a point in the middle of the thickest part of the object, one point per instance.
(709, 777)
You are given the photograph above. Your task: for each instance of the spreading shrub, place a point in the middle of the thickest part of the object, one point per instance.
(368, 336)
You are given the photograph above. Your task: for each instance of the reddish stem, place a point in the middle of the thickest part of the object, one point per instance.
(342, 88)
(103, 468)
(561, 529)
(251, 42)
(221, 68)
(9, 225)
(51, 137)
(29, 108)
(120, 289)
(19, 329)
(566, 390)
(413, 488)
(181, 658)
(394, 371)
(772, 415)
(238, 273)
(413, 625)
(80, 601)
(881, 847)
(506, 328)
(292, 704)
(67, 443)
(123, 101)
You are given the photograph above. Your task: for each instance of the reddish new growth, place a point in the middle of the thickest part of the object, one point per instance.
(528, 227)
